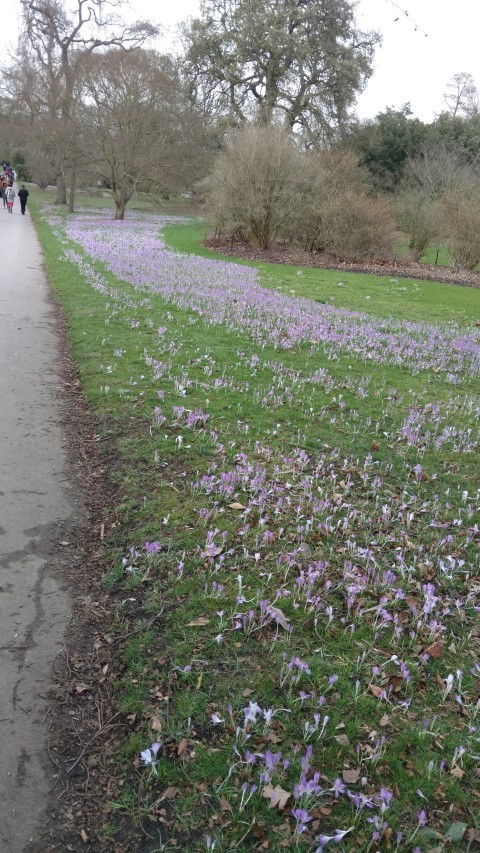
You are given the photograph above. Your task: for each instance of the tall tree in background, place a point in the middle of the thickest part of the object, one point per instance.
(462, 97)
(57, 39)
(385, 143)
(301, 61)
(136, 127)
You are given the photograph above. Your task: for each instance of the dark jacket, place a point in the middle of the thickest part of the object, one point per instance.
(23, 195)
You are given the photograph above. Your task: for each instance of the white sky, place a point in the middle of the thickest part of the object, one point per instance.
(408, 67)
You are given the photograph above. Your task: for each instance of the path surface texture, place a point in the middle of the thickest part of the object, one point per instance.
(35, 507)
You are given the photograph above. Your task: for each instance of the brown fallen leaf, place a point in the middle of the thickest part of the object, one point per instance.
(170, 793)
(236, 505)
(473, 835)
(351, 776)
(84, 836)
(396, 682)
(376, 690)
(342, 740)
(385, 720)
(182, 746)
(457, 772)
(197, 623)
(435, 650)
(277, 796)
(224, 804)
(247, 692)
(271, 737)
(156, 724)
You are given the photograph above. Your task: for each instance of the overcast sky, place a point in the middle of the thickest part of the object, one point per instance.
(410, 66)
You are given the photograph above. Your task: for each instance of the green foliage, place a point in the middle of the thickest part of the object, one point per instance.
(385, 144)
(301, 63)
(19, 161)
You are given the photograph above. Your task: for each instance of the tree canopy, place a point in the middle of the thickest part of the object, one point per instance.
(136, 128)
(299, 61)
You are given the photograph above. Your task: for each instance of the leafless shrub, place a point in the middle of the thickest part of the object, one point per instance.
(255, 185)
(440, 170)
(417, 216)
(354, 227)
(337, 216)
(460, 216)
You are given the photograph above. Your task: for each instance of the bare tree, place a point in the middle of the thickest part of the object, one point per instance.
(135, 124)
(462, 97)
(58, 39)
(439, 170)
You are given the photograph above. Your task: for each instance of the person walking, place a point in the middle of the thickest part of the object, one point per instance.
(10, 195)
(23, 195)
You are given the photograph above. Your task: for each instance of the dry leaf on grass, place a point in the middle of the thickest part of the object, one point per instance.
(170, 793)
(277, 796)
(351, 776)
(197, 623)
(156, 724)
(182, 746)
(457, 772)
(236, 505)
(280, 617)
(435, 650)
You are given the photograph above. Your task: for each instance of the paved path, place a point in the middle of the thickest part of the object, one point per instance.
(34, 502)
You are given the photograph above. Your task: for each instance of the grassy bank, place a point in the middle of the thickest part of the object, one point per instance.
(409, 299)
(293, 549)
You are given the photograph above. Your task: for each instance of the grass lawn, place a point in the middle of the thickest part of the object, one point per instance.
(409, 299)
(298, 513)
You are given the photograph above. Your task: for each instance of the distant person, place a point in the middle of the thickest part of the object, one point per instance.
(10, 195)
(23, 195)
(4, 190)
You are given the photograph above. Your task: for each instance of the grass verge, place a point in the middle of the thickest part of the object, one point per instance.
(292, 556)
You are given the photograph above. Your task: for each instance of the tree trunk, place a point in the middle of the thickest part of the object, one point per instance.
(61, 189)
(71, 195)
(120, 210)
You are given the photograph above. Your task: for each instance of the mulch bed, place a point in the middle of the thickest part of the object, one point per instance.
(399, 268)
